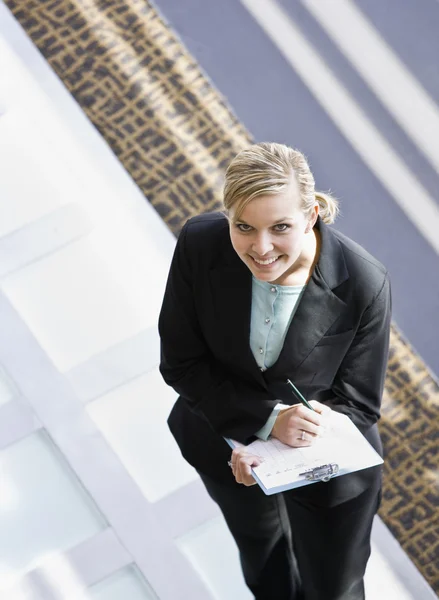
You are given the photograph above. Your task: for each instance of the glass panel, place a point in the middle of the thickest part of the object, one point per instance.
(43, 509)
(133, 419)
(25, 149)
(126, 584)
(381, 581)
(214, 555)
(7, 388)
(75, 304)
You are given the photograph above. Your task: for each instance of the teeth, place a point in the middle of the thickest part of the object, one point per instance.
(266, 262)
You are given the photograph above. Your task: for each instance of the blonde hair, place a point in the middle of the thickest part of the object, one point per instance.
(267, 169)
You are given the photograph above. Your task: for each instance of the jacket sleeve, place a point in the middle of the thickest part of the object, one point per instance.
(358, 386)
(233, 407)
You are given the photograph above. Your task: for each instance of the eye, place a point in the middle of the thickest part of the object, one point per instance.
(244, 227)
(281, 227)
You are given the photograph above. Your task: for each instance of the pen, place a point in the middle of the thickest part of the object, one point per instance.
(298, 395)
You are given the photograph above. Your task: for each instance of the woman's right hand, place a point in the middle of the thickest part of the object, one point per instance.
(299, 426)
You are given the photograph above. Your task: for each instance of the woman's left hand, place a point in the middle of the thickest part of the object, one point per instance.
(242, 463)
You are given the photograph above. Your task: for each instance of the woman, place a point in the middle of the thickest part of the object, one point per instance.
(265, 292)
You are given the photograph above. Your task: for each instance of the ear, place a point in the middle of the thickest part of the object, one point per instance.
(312, 218)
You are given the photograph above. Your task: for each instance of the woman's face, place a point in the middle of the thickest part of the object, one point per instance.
(271, 236)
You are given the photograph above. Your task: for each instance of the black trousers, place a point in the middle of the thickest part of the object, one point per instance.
(291, 549)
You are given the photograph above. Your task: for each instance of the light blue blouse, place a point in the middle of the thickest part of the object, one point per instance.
(273, 308)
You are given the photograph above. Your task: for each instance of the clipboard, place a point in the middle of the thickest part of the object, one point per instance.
(342, 450)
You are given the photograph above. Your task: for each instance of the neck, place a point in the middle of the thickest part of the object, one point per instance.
(303, 268)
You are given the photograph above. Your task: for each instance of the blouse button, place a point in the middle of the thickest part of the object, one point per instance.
(273, 289)
(261, 351)
(267, 320)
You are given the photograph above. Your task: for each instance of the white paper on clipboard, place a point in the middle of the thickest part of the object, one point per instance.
(283, 467)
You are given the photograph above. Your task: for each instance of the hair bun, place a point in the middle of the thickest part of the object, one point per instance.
(328, 207)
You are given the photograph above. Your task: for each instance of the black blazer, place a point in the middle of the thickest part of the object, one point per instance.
(335, 349)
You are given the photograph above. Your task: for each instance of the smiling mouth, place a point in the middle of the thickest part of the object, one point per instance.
(266, 262)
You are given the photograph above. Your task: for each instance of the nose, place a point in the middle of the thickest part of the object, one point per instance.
(262, 244)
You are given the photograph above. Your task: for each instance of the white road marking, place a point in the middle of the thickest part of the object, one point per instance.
(351, 120)
(384, 72)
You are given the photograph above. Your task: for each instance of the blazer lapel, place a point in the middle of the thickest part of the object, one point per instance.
(231, 292)
(319, 307)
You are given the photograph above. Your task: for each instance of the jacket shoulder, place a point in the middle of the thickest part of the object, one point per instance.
(204, 232)
(208, 221)
(368, 277)
(359, 260)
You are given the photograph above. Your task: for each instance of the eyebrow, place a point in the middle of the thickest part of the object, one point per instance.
(275, 223)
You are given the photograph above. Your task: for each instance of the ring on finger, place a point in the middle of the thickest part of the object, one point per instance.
(302, 437)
